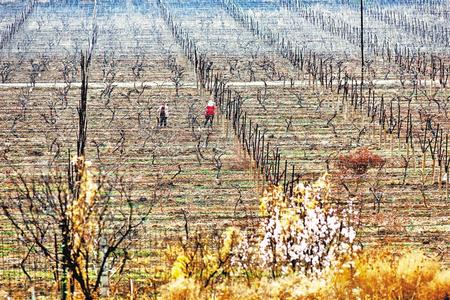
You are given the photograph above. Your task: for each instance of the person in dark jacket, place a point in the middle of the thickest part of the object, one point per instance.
(163, 114)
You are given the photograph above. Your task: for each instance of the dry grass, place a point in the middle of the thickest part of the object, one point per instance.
(375, 274)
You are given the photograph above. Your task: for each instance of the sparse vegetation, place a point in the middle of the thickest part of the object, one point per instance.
(82, 81)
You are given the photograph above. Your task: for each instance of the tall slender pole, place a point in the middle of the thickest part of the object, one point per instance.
(362, 52)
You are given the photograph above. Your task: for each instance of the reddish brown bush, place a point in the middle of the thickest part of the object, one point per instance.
(360, 160)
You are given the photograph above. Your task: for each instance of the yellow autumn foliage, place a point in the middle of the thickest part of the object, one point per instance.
(83, 227)
(307, 196)
(208, 272)
(206, 261)
(82, 215)
(376, 274)
(387, 274)
(179, 268)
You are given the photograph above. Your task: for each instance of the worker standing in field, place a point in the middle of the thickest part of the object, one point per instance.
(210, 111)
(163, 114)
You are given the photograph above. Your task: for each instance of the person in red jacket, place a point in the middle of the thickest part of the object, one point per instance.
(210, 111)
